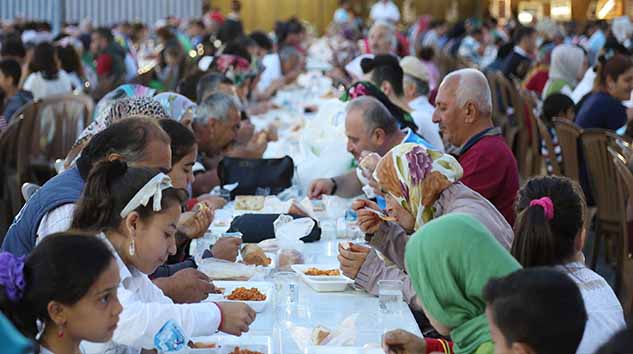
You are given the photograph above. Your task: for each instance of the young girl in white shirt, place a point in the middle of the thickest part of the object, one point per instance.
(137, 210)
(63, 293)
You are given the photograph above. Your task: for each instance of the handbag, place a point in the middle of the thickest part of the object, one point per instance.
(254, 175)
(259, 227)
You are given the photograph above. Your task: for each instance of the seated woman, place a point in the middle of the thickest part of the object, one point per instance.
(567, 67)
(45, 77)
(549, 232)
(449, 261)
(556, 105)
(138, 223)
(418, 185)
(68, 284)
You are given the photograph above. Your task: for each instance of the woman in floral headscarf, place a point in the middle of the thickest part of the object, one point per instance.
(179, 107)
(419, 185)
(119, 109)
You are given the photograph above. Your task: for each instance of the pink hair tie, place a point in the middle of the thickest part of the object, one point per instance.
(547, 205)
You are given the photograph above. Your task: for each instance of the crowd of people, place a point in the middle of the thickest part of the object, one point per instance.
(98, 259)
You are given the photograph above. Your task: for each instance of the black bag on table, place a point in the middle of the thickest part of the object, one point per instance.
(259, 227)
(275, 175)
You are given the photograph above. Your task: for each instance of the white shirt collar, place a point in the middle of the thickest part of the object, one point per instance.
(126, 273)
(520, 51)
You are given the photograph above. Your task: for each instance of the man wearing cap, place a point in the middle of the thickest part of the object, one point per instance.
(386, 73)
(416, 89)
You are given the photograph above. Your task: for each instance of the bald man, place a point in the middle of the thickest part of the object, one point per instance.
(464, 113)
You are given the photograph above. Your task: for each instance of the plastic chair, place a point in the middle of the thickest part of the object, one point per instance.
(602, 174)
(624, 282)
(48, 130)
(568, 138)
(546, 137)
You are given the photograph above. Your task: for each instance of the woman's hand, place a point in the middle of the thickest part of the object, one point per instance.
(195, 223)
(368, 222)
(403, 342)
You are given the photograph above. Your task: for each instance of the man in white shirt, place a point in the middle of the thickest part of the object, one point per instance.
(385, 10)
(381, 39)
(416, 89)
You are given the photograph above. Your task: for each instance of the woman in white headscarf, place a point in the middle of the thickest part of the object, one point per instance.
(567, 66)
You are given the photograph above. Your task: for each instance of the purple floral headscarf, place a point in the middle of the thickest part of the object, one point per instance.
(12, 275)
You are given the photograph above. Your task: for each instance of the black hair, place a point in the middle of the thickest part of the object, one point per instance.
(12, 69)
(69, 60)
(187, 86)
(238, 49)
(542, 242)
(105, 33)
(262, 40)
(505, 50)
(620, 343)
(426, 53)
(229, 30)
(110, 186)
(611, 68)
(43, 62)
(182, 139)
(61, 268)
(541, 307)
(555, 105)
(386, 68)
(284, 29)
(12, 46)
(522, 32)
(129, 137)
(209, 83)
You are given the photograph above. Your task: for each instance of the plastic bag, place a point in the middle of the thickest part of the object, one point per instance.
(217, 269)
(288, 232)
(344, 335)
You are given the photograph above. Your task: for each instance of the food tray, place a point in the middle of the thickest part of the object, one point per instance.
(323, 283)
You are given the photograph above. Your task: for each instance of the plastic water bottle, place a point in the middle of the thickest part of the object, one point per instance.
(170, 338)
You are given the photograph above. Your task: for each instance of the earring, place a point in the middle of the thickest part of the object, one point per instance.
(60, 332)
(132, 248)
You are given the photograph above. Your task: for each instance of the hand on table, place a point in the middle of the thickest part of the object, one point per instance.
(237, 317)
(186, 286)
(352, 259)
(226, 248)
(212, 201)
(402, 342)
(320, 187)
(368, 222)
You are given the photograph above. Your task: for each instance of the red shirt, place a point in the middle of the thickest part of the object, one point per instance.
(491, 170)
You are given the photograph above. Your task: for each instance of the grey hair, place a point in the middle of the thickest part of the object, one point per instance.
(391, 31)
(421, 87)
(472, 86)
(216, 106)
(375, 114)
(208, 84)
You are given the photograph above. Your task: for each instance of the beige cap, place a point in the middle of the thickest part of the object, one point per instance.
(413, 66)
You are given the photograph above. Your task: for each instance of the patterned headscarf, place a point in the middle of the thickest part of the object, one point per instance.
(123, 91)
(120, 109)
(416, 176)
(233, 67)
(175, 104)
(366, 88)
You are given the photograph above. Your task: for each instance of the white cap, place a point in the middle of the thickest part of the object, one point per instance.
(414, 67)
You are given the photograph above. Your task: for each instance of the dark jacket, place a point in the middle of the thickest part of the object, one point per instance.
(14, 103)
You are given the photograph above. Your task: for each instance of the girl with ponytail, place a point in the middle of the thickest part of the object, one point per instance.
(63, 293)
(549, 232)
(136, 211)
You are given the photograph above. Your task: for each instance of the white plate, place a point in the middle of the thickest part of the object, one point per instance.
(226, 344)
(265, 288)
(325, 283)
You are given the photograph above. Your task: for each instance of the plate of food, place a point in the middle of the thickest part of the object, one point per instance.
(254, 293)
(223, 344)
(323, 277)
